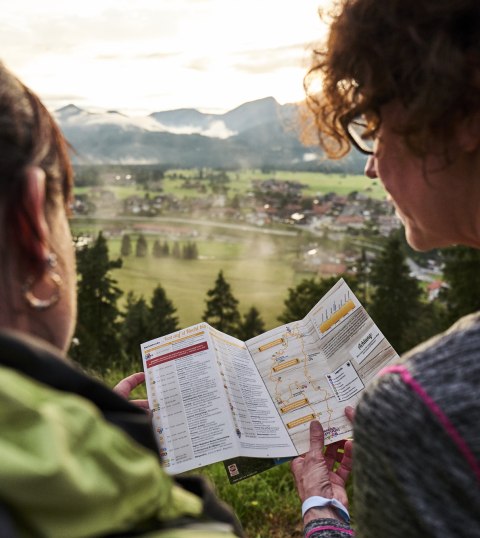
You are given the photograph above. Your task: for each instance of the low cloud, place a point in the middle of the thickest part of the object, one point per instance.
(216, 129)
(266, 65)
(273, 59)
(199, 64)
(138, 56)
(156, 55)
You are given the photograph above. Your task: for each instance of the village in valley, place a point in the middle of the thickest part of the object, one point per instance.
(335, 226)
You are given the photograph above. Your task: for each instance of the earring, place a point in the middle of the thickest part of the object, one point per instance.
(29, 295)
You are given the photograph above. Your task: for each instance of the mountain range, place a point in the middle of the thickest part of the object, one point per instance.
(257, 134)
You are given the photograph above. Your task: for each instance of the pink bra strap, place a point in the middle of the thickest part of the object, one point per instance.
(435, 409)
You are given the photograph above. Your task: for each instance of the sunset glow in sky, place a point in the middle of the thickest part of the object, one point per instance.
(141, 56)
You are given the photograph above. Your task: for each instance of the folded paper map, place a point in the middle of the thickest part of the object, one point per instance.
(216, 398)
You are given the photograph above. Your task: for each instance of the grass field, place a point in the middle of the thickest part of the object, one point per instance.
(266, 504)
(316, 183)
(258, 269)
(241, 183)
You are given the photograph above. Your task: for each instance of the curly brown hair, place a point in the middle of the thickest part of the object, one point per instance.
(423, 53)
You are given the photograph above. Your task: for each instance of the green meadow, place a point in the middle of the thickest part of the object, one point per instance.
(259, 267)
(316, 183)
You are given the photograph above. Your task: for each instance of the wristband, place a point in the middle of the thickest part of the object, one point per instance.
(320, 502)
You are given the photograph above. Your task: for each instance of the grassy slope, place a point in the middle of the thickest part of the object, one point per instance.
(258, 273)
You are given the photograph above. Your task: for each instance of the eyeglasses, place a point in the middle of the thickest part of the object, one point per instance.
(355, 130)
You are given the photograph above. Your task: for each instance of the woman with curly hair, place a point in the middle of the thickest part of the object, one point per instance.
(400, 81)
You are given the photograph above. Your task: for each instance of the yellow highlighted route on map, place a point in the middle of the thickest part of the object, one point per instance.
(294, 405)
(302, 420)
(271, 344)
(284, 365)
(337, 316)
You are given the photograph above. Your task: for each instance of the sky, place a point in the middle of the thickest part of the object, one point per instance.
(143, 56)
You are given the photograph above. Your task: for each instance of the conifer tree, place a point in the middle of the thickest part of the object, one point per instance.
(222, 307)
(303, 297)
(251, 325)
(157, 250)
(363, 278)
(134, 330)
(162, 318)
(97, 333)
(194, 251)
(176, 250)
(396, 305)
(190, 251)
(462, 276)
(142, 247)
(126, 248)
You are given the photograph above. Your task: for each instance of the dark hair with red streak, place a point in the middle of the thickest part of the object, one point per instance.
(423, 53)
(29, 136)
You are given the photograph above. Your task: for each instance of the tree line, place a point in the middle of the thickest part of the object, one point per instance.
(186, 251)
(108, 338)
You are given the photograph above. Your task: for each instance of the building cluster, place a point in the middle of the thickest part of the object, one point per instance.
(282, 201)
(270, 201)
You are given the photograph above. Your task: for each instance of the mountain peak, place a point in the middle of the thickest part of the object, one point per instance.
(69, 110)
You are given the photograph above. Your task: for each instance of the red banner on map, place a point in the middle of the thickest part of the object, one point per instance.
(177, 354)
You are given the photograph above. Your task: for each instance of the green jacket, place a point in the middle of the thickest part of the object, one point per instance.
(78, 461)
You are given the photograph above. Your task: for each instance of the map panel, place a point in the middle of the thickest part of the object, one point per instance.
(313, 368)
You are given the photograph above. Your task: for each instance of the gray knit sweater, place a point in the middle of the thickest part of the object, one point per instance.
(417, 445)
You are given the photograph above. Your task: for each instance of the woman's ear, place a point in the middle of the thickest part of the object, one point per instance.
(29, 223)
(468, 133)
